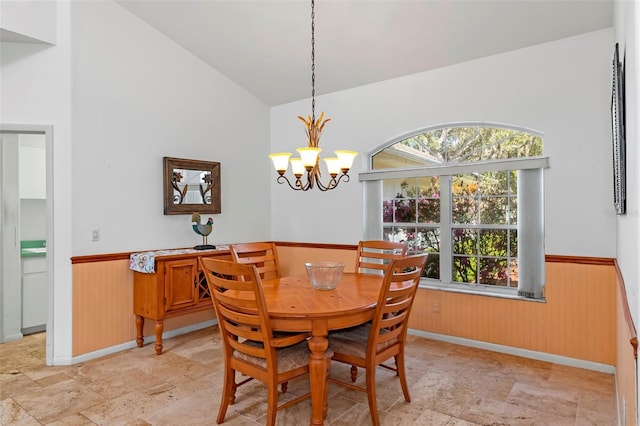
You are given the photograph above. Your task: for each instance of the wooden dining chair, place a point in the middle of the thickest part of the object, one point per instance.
(370, 345)
(377, 254)
(263, 254)
(248, 341)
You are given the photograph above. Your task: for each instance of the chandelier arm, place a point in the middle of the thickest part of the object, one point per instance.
(323, 188)
(333, 182)
(282, 179)
(344, 176)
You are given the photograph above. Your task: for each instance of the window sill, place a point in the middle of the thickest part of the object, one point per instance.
(502, 294)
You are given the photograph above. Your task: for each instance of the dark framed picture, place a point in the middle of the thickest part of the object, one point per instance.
(618, 135)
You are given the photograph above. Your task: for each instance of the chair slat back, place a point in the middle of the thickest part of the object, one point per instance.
(263, 255)
(378, 254)
(238, 299)
(395, 301)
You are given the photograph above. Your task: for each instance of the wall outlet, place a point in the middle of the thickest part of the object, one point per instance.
(436, 307)
(95, 234)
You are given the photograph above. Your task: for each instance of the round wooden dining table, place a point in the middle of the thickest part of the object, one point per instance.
(294, 305)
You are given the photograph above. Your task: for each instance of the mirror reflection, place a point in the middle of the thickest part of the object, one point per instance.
(191, 186)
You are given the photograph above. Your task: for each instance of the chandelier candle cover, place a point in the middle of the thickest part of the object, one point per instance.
(309, 160)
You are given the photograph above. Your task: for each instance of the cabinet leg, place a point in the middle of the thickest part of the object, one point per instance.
(139, 328)
(158, 329)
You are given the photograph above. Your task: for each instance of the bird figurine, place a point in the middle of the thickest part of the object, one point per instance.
(202, 229)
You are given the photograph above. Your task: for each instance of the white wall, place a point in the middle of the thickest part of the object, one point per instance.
(35, 89)
(134, 96)
(627, 33)
(138, 97)
(561, 89)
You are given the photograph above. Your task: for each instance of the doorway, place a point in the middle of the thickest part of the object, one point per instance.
(26, 249)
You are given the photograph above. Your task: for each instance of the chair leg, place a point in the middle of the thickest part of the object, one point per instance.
(272, 404)
(397, 369)
(232, 399)
(354, 373)
(402, 375)
(284, 386)
(228, 393)
(370, 373)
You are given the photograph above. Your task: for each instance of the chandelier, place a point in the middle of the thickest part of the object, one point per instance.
(309, 161)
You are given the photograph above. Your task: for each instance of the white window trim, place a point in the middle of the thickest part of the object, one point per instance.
(451, 169)
(532, 276)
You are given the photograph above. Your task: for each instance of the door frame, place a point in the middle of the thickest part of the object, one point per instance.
(47, 131)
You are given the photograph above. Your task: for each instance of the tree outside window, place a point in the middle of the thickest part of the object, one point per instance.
(478, 216)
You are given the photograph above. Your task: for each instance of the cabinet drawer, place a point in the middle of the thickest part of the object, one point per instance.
(34, 265)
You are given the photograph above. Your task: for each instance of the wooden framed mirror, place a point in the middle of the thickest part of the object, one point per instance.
(191, 186)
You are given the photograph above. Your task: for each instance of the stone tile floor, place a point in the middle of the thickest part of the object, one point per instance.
(449, 385)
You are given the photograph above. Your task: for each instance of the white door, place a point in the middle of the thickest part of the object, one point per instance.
(10, 308)
(33, 231)
(11, 136)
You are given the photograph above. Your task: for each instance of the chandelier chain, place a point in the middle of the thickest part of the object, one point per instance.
(309, 162)
(313, 62)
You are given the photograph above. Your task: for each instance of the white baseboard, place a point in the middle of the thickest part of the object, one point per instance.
(525, 353)
(128, 345)
(11, 338)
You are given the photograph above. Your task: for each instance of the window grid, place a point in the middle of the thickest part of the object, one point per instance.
(422, 232)
(477, 264)
(473, 221)
(411, 213)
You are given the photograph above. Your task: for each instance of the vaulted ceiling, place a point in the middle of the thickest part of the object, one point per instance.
(265, 45)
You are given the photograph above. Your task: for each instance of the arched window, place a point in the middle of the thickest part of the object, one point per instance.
(469, 195)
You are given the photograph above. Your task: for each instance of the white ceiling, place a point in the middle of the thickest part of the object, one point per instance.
(265, 45)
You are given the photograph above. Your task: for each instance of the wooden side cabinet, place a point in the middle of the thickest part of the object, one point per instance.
(177, 287)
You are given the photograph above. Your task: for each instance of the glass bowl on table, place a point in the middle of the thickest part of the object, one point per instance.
(324, 275)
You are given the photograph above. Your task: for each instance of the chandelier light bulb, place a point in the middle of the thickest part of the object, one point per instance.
(280, 161)
(345, 158)
(309, 156)
(333, 166)
(297, 167)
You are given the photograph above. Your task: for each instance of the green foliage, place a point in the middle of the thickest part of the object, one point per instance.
(483, 205)
(468, 144)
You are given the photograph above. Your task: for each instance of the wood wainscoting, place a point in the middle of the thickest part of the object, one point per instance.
(103, 305)
(577, 319)
(585, 315)
(627, 357)
(293, 256)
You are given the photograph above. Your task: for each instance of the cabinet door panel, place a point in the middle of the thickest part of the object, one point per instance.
(34, 300)
(180, 287)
